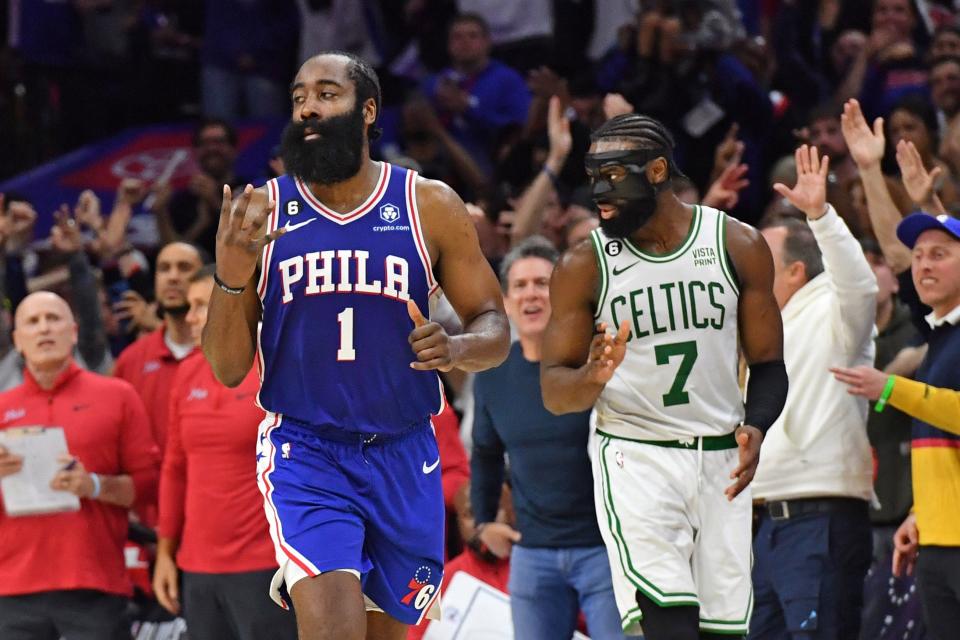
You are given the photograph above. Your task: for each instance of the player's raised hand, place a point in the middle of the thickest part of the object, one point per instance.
(810, 193)
(748, 446)
(430, 343)
(866, 146)
(240, 235)
(607, 351)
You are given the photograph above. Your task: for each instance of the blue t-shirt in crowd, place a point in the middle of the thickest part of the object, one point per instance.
(499, 97)
(549, 469)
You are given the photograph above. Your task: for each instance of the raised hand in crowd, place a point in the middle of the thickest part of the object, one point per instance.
(65, 235)
(206, 189)
(18, 226)
(142, 315)
(919, 183)
(532, 202)
(810, 193)
(866, 146)
(615, 105)
(727, 153)
(724, 193)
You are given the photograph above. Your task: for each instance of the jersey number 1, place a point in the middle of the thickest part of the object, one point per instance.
(346, 352)
(676, 395)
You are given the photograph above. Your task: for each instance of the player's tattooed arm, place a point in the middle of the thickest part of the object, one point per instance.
(229, 337)
(578, 358)
(761, 332)
(468, 283)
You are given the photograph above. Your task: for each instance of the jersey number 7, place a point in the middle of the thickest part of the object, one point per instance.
(676, 395)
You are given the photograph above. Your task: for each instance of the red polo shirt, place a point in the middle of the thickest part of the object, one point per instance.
(149, 365)
(208, 488)
(107, 430)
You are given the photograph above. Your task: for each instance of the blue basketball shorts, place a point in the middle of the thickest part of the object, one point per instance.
(368, 505)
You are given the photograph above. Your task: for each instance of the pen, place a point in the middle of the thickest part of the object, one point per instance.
(70, 465)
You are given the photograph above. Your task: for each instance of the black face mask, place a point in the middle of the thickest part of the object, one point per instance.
(618, 178)
(333, 157)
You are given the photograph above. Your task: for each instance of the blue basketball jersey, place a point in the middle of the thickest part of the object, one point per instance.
(333, 349)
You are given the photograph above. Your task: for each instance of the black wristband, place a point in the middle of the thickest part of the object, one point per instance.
(766, 394)
(234, 291)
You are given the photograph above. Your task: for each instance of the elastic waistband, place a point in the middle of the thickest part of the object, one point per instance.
(338, 434)
(705, 443)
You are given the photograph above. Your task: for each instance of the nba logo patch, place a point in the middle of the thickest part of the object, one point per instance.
(389, 213)
(285, 450)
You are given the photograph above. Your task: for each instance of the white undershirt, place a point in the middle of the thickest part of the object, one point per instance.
(179, 351)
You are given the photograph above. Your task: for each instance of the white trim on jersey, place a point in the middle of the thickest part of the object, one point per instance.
(282, 549)
(350, 216)
(274, 190)
(413, 213)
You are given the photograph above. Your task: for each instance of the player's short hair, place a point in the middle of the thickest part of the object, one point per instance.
(642, 132)
(207, 123)
(800, 245)
(206, 271)
(475, 18)
(366, 84)
(532, 247)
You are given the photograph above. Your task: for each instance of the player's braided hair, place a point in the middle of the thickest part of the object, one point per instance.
(643, 132)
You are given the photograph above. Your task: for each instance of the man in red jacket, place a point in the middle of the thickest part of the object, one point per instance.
(150, 363)
(212, 526)
(63, 574)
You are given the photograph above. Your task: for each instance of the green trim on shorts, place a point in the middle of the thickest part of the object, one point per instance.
(632, 617)
(731, 627)
(643, 585)
(710, 443)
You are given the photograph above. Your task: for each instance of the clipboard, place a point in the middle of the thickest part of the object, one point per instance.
(28, 492)
(473, 610)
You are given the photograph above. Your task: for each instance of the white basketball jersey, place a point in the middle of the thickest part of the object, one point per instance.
(679, 376)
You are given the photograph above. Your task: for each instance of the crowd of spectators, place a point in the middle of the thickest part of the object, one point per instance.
(497, 98)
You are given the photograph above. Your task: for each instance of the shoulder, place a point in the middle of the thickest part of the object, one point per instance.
(140, 347)
(435, 195)
(747, 248)
(111, 387)
(580, 259)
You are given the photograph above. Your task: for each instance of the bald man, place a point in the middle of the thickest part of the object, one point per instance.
(65, 574)
(150, 363)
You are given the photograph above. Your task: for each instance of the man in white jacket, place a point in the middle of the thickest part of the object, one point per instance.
(813, 545)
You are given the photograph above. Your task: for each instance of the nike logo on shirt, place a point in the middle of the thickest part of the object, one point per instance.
(293, 227)
(617, 271)
(428, 469)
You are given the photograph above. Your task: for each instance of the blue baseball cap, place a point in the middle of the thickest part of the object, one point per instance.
(914, 224)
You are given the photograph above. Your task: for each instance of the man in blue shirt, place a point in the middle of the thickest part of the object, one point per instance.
(477, 98)
(558, 562)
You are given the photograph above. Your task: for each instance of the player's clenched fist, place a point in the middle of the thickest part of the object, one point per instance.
(606, 352)
(431, 344)
(240, 236)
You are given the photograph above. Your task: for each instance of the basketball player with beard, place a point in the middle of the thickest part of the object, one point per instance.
(351, 252)
(681, 286)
